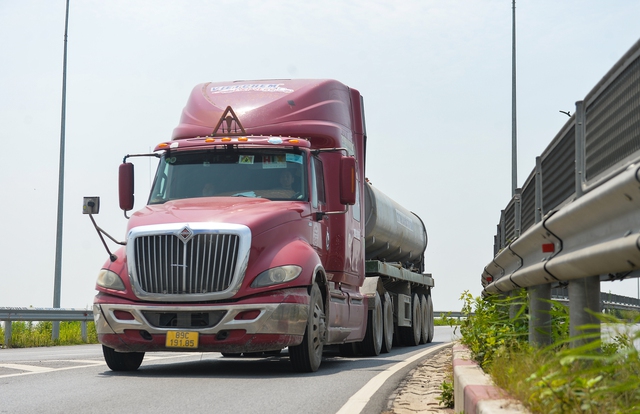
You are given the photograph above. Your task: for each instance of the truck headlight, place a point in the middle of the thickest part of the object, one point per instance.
(276, 275)
(110, 280)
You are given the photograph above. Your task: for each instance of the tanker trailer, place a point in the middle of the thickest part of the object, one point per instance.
(395, 242)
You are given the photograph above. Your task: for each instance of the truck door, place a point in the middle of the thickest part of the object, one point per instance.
(320, 236)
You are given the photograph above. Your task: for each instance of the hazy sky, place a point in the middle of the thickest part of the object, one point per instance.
(435, 76)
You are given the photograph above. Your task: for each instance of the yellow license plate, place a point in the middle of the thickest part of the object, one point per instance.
(182, 339)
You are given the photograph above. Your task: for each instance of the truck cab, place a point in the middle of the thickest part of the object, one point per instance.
(254, 214)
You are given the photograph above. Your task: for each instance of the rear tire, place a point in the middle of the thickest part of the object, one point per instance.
(387, 323)
(430, 323)
(372, 343)
(411, 335)
(424, 326)
(122, 361)
(307, 356)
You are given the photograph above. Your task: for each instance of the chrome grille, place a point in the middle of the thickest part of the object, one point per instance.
(166, 265)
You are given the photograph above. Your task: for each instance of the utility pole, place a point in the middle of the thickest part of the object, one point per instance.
(55, 333)
(514, 133)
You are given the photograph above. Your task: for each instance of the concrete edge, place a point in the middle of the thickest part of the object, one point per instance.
(475, 392)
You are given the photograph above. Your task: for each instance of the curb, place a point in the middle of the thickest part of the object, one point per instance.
(475, 392)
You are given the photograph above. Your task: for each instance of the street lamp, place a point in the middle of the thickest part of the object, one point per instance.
(55, 332)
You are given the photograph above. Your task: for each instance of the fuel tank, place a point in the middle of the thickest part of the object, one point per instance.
(392, 233)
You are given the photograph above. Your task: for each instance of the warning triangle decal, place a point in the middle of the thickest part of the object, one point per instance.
(229, 124)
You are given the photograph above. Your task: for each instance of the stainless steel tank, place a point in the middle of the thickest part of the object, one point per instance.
(392, 233)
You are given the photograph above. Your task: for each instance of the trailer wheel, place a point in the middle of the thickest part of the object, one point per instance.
(122, 361)
(387, 323)
(411, 335)
(430, 318)
(307, 356)
(424, 326)
(372, 342)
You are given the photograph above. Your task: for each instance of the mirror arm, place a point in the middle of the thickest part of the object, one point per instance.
(100, 232)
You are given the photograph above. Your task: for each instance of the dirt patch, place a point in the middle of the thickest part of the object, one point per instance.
(420, 391)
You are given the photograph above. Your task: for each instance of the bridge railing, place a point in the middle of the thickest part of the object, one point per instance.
(578, 213)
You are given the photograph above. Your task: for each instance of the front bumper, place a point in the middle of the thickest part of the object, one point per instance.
(263, 323)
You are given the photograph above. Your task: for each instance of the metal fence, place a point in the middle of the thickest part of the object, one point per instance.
(8, 315)
(608, 300)
(583, 197)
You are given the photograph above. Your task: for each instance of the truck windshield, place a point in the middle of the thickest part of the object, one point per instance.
(271, 174)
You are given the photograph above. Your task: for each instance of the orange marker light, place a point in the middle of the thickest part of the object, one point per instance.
(210, 140)
(244, 139)
(163, 145)
(226, 139)
(294, 141)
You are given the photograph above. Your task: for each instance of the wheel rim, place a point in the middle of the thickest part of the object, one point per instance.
(318, 330)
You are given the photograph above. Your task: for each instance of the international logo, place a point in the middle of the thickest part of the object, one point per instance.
(185, 234)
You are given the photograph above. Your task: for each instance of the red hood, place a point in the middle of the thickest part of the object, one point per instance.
(258, 214)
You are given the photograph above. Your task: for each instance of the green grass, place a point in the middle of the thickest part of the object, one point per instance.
(445, 321)
(597, 377)
(35, 334)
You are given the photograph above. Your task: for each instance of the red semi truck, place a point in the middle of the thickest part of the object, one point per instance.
(261, 233)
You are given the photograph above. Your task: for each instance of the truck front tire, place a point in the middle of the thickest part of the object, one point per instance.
(122, 361)
(307, 356)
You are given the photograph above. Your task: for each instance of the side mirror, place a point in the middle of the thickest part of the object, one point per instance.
(348, 180)
(125, 186)
(91, 205)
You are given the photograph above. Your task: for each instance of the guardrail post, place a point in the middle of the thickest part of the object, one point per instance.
(584, 294)
(584, 304)
(517, 226)
(540, 315)
(539, 296)
(83, 330)
(7, 334)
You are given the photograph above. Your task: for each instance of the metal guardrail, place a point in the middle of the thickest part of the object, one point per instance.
(608, 300)
(578, 213)
(449, 314)
(8, 315)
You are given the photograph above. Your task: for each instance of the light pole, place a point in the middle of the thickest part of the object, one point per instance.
(55, 333)
(514, 134)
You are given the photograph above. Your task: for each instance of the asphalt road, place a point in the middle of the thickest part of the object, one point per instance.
(75, 379)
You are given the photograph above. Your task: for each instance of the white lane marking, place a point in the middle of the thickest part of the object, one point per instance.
(32, 369)
(41, 370)
(29, 368)
(359, 400)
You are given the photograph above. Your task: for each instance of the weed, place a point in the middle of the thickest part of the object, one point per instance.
(36, 334)
(593, 375)
(446, 398)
